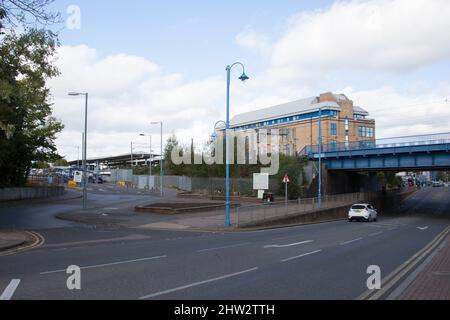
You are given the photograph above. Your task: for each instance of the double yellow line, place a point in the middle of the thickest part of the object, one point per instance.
(36, 240)
(389, 282)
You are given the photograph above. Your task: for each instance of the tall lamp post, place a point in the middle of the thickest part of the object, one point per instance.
(319, 192)
(161, 171)
(243, 78)
(149, 157)
(86, 95)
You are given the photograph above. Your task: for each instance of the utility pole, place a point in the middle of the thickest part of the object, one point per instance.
(131, 153)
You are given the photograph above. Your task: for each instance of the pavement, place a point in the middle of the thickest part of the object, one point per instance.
(320, 261)
(432, 282)
(10, 239)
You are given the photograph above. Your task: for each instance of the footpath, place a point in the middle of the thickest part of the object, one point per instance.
(432, 279)
(13, 241)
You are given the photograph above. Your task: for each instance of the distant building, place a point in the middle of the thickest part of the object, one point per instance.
(297, 121)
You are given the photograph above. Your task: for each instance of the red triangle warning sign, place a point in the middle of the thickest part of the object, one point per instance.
(286, 179)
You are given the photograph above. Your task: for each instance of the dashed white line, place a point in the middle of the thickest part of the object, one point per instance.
(152, 295)
(300, 256)
(10, 289)
(225, 247)
(287, 245)
(351, 241)
(107, 264)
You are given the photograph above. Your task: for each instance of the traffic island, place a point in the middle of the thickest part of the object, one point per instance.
(182, 207)
(14, 241)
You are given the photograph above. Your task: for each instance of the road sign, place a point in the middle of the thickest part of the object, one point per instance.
(77, 176)
(286, 180)
(260, 181)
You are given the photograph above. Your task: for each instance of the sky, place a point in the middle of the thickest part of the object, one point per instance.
(144, 61)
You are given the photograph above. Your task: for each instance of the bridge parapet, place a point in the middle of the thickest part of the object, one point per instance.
(406, 144)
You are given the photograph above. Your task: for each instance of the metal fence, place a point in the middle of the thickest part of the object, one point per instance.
(45, 180)
(419, 140)
(264, 212)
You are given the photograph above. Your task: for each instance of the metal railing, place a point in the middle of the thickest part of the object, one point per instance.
(419, 140)
(45, 180)
(260, 213)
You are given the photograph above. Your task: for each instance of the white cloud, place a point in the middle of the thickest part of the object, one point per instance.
(379, 35)
(249, 39)
(128, 92)
(398, 114)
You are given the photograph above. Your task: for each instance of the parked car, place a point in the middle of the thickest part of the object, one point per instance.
(362, 212)
(93, 179)
(438, 184)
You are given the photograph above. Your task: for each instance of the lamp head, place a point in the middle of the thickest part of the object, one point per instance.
(74, 94)
(244, 77)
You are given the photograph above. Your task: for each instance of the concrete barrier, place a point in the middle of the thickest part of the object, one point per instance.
(382, 204)
(11, 194)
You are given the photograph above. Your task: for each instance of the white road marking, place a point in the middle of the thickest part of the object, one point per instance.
(107, 264)
(422, 228)
(10, 289)
(300, 256)
(286, 245)
(152, 295)
(225, 247)
(351, 241)
(375, 234)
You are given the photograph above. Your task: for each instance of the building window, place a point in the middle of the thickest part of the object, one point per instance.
(366, 132)
(333, 129)
(333, 144)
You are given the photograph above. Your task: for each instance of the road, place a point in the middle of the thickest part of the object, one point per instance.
(319, 261)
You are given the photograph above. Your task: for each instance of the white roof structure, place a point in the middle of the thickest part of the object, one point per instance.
(361, 111)
(296, 107)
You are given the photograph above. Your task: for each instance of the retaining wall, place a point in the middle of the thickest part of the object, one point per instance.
(383, 204)
(10, 194)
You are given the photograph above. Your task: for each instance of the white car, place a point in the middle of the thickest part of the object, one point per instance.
(362, 212)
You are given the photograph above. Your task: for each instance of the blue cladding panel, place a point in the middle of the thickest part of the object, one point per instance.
(402, 161)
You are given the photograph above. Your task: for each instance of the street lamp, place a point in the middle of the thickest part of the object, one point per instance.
(161, 171)
(149, 157)
(319, 192)
(214, 135)
(243, 78)
(86, 95)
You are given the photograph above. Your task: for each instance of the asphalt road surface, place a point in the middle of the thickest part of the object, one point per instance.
(320, 261)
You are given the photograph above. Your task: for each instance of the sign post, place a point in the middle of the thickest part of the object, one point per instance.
(286, 180)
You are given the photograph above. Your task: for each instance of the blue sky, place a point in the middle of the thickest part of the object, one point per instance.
(195, 37)
(171, 57)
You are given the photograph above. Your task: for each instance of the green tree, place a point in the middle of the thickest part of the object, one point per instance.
(27, 128)
(27, 12)
(293, 167)
(61, 163)
(443, 176)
